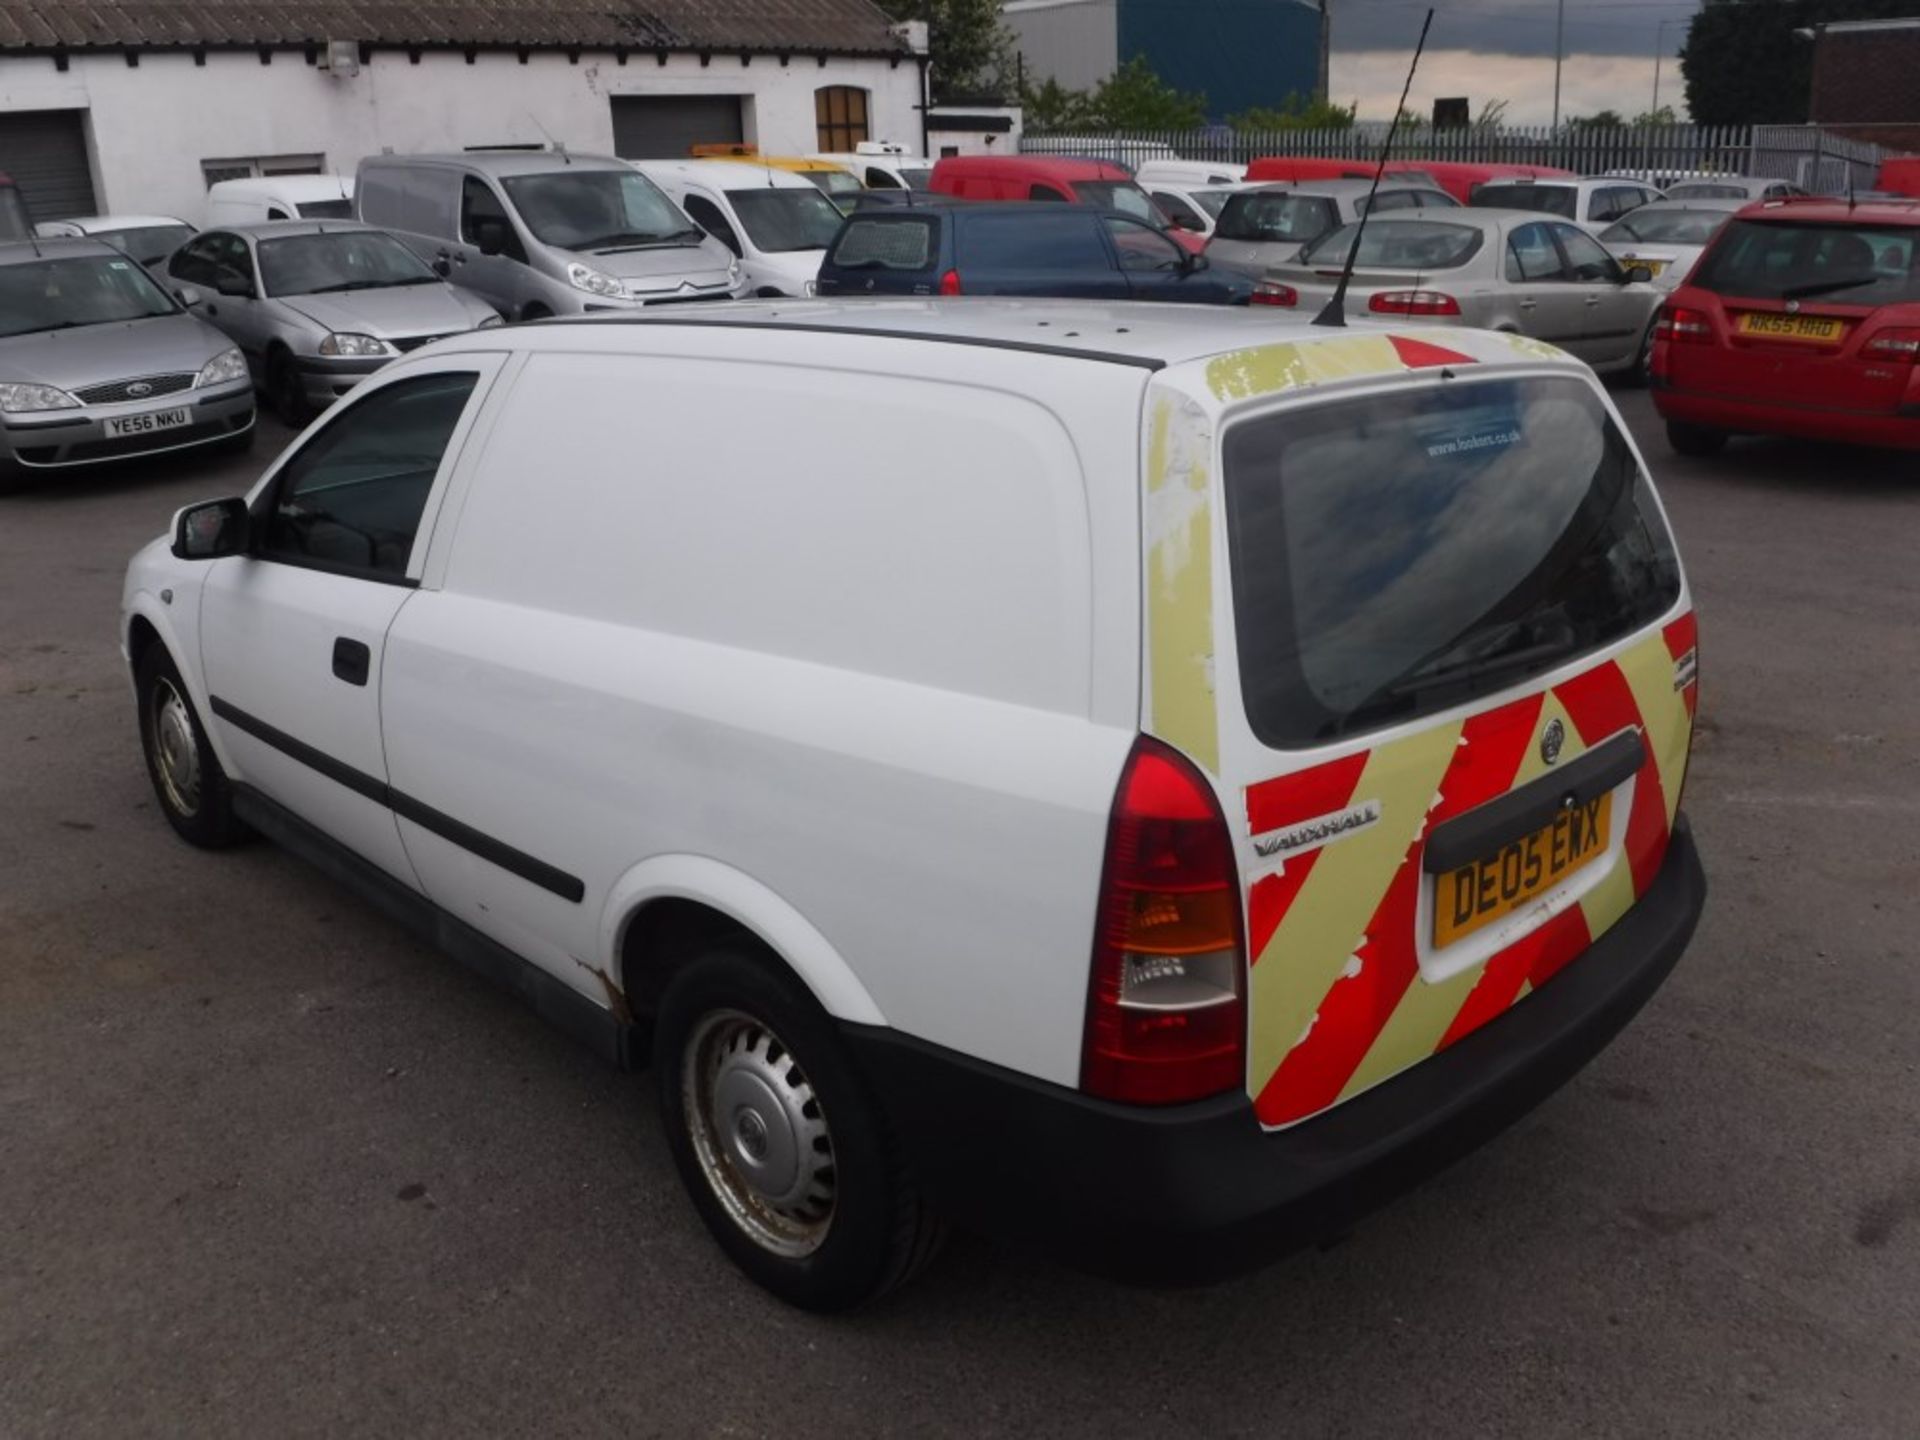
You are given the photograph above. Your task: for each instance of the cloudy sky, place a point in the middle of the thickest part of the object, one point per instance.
(1503, 49)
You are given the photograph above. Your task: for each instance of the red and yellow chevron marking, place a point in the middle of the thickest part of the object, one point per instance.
(1338, 1002)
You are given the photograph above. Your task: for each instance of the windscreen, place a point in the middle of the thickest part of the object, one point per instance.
(1397, 245)
(1399, 554)
(916, 178)
(1666, 227)
(1800, 260)
(1211, 201)
(1276, 217)
(39, 295)
(1512, 195)
(781, 220)
(341, 209)
(345, 260)
(14, 224)
(149, 244)
(577, 209)
(1703, 191)
(1122, 195)
(903, 244)
(833, 182)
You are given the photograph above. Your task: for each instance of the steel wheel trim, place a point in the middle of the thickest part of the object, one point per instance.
(176, 752)
(759, 1133)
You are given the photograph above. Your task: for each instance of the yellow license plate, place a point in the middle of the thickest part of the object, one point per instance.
(1655, 266)
(1815, 329)
(1476, 895)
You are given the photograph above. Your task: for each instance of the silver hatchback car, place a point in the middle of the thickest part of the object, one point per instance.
(318, 305)
(98, 363)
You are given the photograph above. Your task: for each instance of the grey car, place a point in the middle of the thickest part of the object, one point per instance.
(98, 363)
(1511, 270)
(318, 305)
(1267, 224)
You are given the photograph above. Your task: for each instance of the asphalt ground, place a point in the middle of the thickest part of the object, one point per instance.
(268, 1166)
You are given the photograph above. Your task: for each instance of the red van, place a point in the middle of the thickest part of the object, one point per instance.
(1297, 169)
(14, 223)
(1069, 178)
(1900, 177)
(1460, 178)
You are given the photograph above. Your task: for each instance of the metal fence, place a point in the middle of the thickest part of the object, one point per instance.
(1803, 154)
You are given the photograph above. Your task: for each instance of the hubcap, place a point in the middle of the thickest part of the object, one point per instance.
(759, 1133)
(176, 757)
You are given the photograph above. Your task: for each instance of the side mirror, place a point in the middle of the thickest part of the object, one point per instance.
(442, 268)
(233, 283)
(490, 236)
(210, 530)
(1191, 261)
(187, 295)
(1639, 275)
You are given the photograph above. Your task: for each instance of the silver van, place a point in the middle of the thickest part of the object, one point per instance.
(542, 233)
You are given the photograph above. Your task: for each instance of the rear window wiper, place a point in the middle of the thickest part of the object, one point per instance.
(1828, 287)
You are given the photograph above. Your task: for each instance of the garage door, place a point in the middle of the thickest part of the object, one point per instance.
(45, 151)
(664, 127)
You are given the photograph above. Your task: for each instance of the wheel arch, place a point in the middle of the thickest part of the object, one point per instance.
(666, 909)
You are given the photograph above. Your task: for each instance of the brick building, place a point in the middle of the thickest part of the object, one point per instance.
(1866, 81)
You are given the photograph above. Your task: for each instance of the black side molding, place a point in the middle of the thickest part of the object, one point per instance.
(495, 852)
(1485, 829)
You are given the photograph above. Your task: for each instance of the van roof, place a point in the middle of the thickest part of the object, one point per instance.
(1061, 167)
(1150, 337)
(727, 174)
(498, 163)
(317, 187)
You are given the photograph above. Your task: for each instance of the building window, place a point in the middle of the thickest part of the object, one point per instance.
(248, 167)
(840, 115)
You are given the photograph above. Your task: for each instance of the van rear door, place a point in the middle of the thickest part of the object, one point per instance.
(1453, 671)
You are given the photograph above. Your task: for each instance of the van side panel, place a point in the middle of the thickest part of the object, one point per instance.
(845, 647)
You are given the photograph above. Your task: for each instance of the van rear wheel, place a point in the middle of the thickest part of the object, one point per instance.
(778, 1142)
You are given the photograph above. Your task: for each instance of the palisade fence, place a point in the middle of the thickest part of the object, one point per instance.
(1804, 154)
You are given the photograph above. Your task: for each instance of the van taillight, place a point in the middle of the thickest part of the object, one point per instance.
(1412, 302)
(950, 283)
(1676, 322)
(1166, 1011)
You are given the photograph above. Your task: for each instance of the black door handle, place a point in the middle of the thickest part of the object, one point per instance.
(351, 661)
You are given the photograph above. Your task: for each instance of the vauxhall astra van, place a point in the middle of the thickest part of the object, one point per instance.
(539, 233)
(1229, 772)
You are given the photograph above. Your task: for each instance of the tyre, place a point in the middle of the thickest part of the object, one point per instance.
(778, 1142)
(1642, 370)
(1695, 440)
(285, 393)
(187, 779)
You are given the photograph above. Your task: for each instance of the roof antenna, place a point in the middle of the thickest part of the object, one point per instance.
(1849, 187)
(1335, 314)
(553, 144)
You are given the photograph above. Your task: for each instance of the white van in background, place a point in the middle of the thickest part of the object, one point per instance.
(777, 222)
(883, 165)
(280, 197)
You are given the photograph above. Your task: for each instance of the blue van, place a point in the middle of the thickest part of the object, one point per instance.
(1072, 251)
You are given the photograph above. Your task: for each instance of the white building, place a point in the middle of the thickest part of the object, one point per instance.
(137, 109)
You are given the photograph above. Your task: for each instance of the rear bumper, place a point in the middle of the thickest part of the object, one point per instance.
(1899, 430)
(1197, 1192)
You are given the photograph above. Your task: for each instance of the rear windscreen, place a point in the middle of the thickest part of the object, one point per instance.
(1276, 216)
(889, 244)
(1666, 227)
(326, 210)
(1397, 555)
(1400, 245)
(1847, 264)
(1548, 199)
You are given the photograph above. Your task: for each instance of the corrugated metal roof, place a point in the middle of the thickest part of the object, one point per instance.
(802, 26)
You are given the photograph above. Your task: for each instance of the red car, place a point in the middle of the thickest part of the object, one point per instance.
(1802, 318)
(1072, 179)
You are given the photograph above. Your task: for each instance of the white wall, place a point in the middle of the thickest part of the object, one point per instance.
(150, 126)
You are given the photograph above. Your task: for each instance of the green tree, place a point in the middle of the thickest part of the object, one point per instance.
(1051, 106)
(1135, 98)
(972, 51)
(1649, 119)
(1743, 65)
(1492, 116)
(1599, 120)
(1296, 113)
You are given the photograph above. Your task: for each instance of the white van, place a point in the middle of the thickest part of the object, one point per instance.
(1115, 776)
(778, 223)
(883, 165)
(279, 197)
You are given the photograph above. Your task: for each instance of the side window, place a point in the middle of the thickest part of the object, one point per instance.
(1178, 210)
(1058, 241)
(479, 205)
(274, 212)
(1387, 200)
(1141, 247)
(1043, 192)
(707, 216)
(351, 498)
(1434, 200)
(1531, 255)
(878, 179)
(194, 262)
(1587, 258)
(230, 256)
